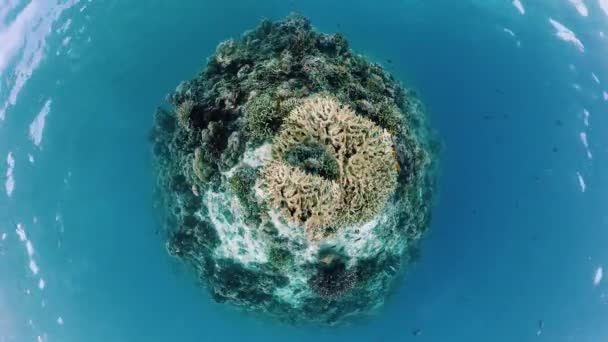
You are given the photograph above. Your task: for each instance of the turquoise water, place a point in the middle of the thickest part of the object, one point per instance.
(517, 92)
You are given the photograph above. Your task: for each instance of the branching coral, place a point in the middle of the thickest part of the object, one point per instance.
(265, 114)
(366, 172)
(183, 112)
(262, 119)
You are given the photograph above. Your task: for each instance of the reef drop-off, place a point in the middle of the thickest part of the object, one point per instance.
(295, 176)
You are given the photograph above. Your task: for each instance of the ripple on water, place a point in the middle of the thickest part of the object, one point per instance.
(24, 43)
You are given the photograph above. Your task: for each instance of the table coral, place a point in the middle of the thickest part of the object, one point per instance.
(364, 161)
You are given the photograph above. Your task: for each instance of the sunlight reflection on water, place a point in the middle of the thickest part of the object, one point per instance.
(24, 43)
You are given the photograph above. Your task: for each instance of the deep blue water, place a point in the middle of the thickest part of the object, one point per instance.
(519, 237)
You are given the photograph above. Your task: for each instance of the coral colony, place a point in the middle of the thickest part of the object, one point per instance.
(295, 176)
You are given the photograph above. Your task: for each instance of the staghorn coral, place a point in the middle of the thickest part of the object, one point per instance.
(265, 113)
(366, 172)
(262, 118)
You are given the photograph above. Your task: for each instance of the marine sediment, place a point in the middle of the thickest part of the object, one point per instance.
(295, 176)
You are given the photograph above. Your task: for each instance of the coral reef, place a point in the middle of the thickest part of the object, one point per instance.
(295, 177)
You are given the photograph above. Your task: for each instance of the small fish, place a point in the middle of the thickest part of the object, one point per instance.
(487, 117)
(559, 123)
(499, 91)
(541, 325)
(554, 149)
(389, 61)
(357, 239)
(416, 332)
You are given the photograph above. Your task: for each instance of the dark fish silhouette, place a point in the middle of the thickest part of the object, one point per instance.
(416, 332)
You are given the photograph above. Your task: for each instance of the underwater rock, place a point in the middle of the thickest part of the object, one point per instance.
(295, 176)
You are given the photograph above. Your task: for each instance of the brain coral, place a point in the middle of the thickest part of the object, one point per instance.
(367, 174)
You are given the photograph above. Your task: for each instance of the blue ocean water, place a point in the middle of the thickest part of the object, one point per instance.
(517, 90)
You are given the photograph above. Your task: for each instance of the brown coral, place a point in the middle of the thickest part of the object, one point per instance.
(364, 155)
(183, 112)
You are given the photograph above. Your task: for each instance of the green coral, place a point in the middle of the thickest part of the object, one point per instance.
(302, 43)
(390, 117)
(200, 167)
(313, 158)
(262, 117)
(264, 114)
(242, 184)
(280, 257)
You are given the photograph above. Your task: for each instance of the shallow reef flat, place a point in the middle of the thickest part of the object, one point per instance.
(295, 176)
